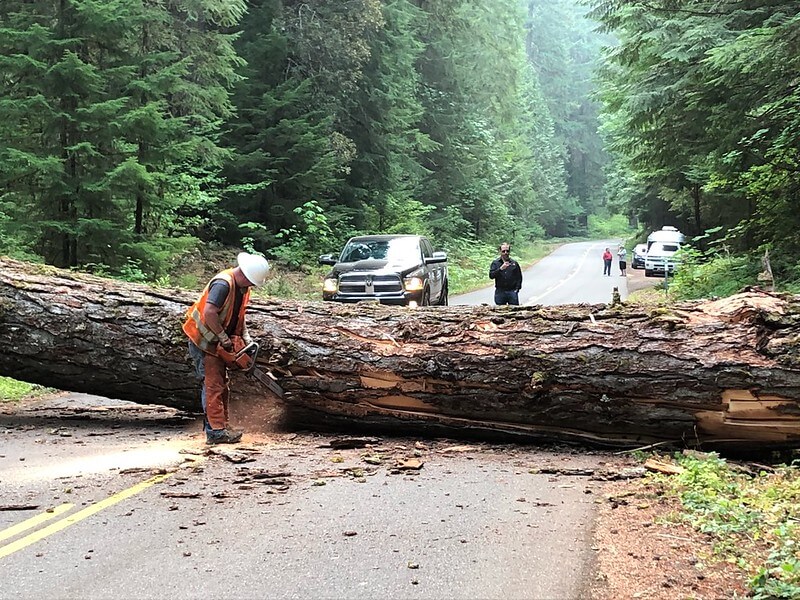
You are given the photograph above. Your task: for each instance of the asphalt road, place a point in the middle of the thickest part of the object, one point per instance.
(125, 501)
(107, 499)
(573, 273)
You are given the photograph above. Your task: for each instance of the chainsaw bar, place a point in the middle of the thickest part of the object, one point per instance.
(268, 379)
(245, 359)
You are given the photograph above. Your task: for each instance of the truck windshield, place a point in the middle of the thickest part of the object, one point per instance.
(392, 250)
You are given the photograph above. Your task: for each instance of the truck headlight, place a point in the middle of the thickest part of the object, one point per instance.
(330, 285)
(414, 284)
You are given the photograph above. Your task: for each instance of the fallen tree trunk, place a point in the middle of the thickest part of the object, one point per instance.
(726, 372)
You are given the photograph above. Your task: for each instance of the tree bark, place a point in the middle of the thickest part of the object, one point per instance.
(725, 372)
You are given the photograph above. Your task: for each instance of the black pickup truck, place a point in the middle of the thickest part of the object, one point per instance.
(390, 269)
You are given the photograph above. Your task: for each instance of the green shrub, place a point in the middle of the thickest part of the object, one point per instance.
(612, 226)
(468, 265)
(744, 514)
(295, 284)
(718, 276)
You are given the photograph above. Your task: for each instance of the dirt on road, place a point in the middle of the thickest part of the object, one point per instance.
(637, 281)
(641, 553)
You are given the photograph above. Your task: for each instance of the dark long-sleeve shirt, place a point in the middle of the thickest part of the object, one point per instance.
(508, 279)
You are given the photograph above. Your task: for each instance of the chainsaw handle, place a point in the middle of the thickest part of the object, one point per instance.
(251, 350)
(234, 359)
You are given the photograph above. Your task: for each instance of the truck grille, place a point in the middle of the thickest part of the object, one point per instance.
(367, 285)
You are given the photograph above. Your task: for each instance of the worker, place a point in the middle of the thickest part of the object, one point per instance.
(218, 319)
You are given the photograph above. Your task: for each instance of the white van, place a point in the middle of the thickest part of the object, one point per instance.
(661, 248)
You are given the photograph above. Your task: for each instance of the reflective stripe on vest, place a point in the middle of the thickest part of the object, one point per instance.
(195, 327)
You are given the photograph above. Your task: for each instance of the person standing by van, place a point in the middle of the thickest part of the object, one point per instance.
(607, 258)
(623, 263)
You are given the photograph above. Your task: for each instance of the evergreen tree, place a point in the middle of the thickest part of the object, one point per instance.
(565, 52)
(120, 102)
(474, 75)
(701, 113)
(291, 141)
(383, 119)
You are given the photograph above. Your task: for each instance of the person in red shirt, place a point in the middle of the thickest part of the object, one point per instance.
(607, 258)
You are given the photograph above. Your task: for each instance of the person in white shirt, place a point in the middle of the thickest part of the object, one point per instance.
(623, 265)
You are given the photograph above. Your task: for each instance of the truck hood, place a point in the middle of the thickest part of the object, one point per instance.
(377, 267)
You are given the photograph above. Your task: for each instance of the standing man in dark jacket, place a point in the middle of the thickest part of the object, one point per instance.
(507, 276)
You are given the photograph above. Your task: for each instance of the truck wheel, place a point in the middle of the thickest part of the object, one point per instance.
(443, 297)
(648, 273)
(426, 297)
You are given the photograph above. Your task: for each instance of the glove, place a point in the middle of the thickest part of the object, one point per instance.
(246, 337)
(225, 341)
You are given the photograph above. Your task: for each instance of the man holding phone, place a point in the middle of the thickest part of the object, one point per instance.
(507, 276)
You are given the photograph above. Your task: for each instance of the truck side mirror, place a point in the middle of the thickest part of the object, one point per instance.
(438, 257)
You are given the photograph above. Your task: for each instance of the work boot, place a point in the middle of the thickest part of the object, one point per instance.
(223, 436)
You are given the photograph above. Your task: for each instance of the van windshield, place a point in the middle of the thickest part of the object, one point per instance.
(663, 248)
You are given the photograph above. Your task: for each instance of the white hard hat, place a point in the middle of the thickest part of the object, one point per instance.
(254, 267)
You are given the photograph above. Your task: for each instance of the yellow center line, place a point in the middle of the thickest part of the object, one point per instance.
(34, 521)
(79, 516)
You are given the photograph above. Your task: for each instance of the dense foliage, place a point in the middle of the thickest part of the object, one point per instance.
(132, 130)
(702, 120)
(109, 112)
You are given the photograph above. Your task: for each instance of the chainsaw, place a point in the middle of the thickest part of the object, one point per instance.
(245, 360)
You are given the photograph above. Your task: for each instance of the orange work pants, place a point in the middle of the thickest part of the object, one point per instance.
(217, 391)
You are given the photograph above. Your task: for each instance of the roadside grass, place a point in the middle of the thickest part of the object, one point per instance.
(293, 284)
(751, 513)
(650, 297)
(12, 390)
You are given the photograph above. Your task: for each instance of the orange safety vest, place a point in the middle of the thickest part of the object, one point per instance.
(195, 327)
